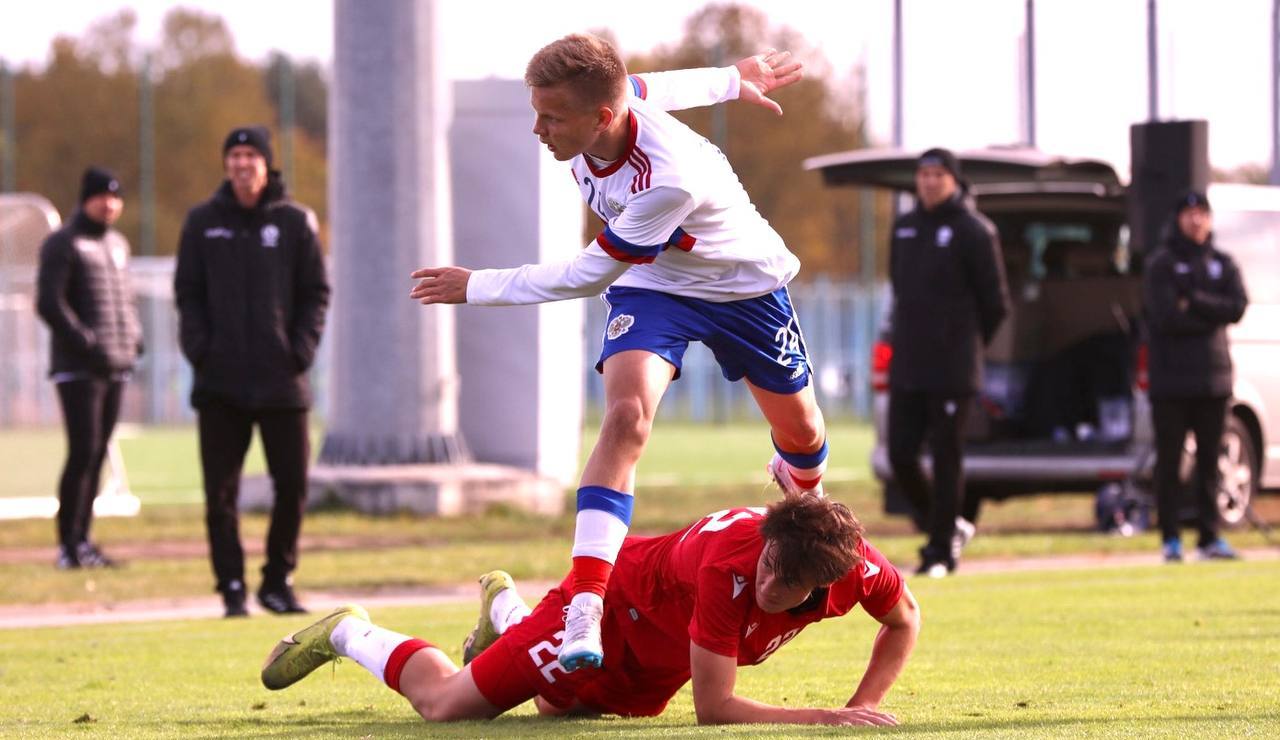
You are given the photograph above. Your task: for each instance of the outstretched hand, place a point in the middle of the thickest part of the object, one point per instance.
(765, 72)
(860, 716)
(440, 285)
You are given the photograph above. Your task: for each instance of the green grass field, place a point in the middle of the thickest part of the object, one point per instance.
(678, 482)
(1190, 651)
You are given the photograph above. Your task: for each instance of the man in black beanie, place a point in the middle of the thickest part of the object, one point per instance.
(83, 293)
(949, 297)
(252, 294)
(1191, 292)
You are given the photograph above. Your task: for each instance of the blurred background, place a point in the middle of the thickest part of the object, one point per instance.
(149, 88)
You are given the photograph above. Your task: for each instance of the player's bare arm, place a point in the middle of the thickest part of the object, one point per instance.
(893, 645)
(715, 703)
(765, 72)
(440, 285)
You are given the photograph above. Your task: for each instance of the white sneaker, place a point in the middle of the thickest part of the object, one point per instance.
(781, 474)
(582, 645)
(965, 530)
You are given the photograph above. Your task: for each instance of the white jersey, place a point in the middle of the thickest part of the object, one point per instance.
(677, 218)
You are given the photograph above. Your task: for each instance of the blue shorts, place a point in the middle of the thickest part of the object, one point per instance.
(756, 338)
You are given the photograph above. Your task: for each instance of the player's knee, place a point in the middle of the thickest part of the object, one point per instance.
(626, 424)
(800, 430)
(438, 709)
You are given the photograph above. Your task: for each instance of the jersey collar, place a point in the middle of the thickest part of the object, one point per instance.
(622, 158)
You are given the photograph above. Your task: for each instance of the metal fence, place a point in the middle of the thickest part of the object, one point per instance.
(839, 321)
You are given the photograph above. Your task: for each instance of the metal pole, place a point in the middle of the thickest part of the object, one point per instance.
(8, 129)
(897, 73)
(1153, 65)
(1275, 92)
(147, 158)
(1031, 73)
(288, 106)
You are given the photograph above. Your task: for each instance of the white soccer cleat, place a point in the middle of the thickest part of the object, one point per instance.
(582, 646)
(965, 530)
(781, 474)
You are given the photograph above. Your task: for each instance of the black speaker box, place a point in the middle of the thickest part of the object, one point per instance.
(1167, 158)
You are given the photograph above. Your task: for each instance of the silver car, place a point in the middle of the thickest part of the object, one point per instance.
(1064, 404)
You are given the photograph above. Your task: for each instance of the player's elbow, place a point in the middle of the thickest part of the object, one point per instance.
(717, 710)
(710, 715)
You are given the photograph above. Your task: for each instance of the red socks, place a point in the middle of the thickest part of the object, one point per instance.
(400, 656)
(591, 575)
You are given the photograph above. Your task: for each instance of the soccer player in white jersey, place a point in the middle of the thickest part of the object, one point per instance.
(684, 257)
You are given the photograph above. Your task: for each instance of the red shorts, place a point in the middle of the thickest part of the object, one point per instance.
(523, 664)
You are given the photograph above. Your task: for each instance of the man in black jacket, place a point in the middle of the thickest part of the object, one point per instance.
(950, 295)
(252, 294)
(1192, 292)
(83, 294)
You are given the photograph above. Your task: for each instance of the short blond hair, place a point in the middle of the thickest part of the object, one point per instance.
(588, 64)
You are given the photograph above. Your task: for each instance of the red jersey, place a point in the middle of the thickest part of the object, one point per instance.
(698, 585)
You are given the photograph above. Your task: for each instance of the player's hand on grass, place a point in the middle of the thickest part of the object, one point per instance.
(766, 72)
(440, 285)
(859, 716)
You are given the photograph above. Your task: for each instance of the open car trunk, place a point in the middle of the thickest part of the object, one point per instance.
(1060, 371)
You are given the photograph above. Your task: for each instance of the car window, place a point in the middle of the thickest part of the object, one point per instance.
(1252, 238)
(1041, 249)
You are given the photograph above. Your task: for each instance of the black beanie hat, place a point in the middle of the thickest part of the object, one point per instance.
(943, 158)
(1191, 199)
(257, 137)
(97, 181)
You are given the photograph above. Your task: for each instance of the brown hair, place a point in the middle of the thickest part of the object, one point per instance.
(815, 540)
(589, 64)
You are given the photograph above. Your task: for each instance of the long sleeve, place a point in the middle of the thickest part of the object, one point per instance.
(51, 294)
(688, 88)
(986, 274)
(1224, 306)
(1161, 299)
(311, 297)
(587, 274)
(194, 327)
(649, 225)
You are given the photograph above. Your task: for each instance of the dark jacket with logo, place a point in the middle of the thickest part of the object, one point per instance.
(949, 297)
(84, 295)
(252, 295)
(1191, 293)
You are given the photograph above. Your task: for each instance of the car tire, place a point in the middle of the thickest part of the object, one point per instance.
(1238, 467)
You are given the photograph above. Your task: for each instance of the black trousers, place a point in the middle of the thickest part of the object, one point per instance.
(940, 417)
(225, 433)
(1173, 418)
(89, 412)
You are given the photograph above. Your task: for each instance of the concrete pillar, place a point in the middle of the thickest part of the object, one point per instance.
(521, 366)
(393, 442)
(394, 389)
